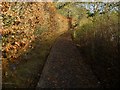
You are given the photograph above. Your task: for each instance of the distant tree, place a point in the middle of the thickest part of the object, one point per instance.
(71, 10)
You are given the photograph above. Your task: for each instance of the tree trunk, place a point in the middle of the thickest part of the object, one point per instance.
(69, 23)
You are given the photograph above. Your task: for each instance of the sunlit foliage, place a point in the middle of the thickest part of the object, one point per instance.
(22, 23)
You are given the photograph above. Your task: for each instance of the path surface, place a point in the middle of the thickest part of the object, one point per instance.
(65, 67)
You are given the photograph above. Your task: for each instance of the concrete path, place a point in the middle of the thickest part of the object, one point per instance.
(65, 67)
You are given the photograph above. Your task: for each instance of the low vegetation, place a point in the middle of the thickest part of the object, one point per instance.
(28, 32)
(98, 40)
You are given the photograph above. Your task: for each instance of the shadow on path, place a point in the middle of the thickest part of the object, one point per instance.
(65, 67)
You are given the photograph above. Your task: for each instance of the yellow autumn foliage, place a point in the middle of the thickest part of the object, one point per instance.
(22, 23)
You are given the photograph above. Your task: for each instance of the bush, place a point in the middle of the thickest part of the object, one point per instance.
(99, 41)
(22, 24)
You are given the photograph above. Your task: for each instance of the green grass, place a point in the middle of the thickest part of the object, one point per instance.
(27, 72)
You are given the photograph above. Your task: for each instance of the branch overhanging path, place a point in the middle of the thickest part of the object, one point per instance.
(65, 68)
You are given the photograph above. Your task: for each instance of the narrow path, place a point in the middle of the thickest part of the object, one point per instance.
(65, 67)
